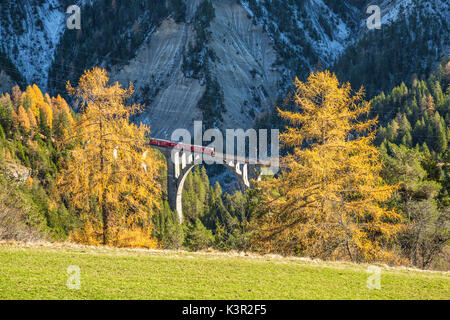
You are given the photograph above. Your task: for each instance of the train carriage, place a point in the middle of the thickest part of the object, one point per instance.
(182, 146)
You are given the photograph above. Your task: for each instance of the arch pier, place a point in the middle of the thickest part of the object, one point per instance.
(184, 161)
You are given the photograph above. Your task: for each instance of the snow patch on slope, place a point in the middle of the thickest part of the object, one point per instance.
(33, 50)
(391, 10)
(328, 33)
(328, 48)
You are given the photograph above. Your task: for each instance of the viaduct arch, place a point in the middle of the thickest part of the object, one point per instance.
(180, 163)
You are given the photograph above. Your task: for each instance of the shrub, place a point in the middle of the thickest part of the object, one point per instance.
(19, 219)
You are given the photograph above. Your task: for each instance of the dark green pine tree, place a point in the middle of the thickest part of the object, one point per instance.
(167, 229)
(441, 140)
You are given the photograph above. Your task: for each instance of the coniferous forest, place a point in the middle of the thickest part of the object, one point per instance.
(363, 180)
(363, 114)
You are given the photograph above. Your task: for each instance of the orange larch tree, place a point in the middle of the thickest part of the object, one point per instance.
(328, 200)
(111, 179)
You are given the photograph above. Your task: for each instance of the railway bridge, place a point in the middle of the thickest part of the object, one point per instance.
(182, 158)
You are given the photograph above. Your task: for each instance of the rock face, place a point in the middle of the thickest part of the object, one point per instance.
(242, 66)
(170, 98)
(17, 172)
(252, 51)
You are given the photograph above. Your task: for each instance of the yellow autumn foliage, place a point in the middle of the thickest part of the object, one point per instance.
(111, 181)
(328, 201)
(22, 117)
(32, 118)
(38, 102)
(47, 110)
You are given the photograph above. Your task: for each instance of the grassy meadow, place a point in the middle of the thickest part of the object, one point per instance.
(41, 272)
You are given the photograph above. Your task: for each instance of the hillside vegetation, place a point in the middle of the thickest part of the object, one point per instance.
(81, 176)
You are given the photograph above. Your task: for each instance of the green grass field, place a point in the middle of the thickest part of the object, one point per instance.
(40, 272)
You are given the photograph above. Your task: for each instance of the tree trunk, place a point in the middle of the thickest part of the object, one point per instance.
(102, 170)
(349, 251)
(105, 219)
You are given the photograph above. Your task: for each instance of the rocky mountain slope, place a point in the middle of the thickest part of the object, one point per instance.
(30, 31)
(224, 62)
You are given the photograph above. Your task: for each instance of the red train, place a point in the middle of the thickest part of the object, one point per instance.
(182, 146)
